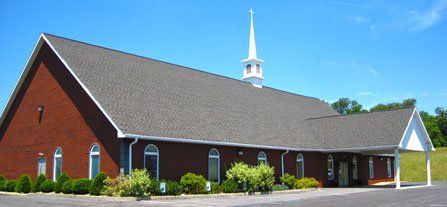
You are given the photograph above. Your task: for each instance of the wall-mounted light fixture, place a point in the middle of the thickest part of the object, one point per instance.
(40, 110)
(240, 152)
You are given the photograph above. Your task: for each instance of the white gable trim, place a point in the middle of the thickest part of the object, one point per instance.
(24, 74)
(416, 137)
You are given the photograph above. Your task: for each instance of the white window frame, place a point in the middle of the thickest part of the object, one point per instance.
(330, 159)
(300, 158)
(90, 159)
(371, 167)
(262, 158)
(355, 168)
(54, 161)
(218, 163)
(388, 168)
(38, 166)
(153, 153)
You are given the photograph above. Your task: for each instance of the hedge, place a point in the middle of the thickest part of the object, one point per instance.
(37, 185)
(47, 186)
(24, 184)
(193, 184)
(67, 187)
(10, 185)
(98, 184)
(81, 186)
(60, 182)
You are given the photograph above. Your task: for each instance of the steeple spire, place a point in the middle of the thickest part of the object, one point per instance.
(252, 47)
(252, 65)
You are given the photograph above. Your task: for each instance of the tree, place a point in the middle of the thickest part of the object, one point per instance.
(407, 103)
(433, 130)
(346, 106)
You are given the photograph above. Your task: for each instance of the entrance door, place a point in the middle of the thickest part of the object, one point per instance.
(343, 174)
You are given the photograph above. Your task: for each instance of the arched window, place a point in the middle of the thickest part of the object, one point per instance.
(214, 165)
(330, 167)
(371, 167)
(258, 69)
(388, 167)
(262, 157)
(151, 160)
(57, 163)
(299, 166)
(355, 169)
(248, 69)
(94, 161)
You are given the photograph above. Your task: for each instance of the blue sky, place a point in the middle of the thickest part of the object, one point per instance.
(374, 52)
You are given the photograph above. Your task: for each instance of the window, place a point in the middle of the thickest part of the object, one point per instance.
(300, 166)
(330, 167)
(258, 69)
(94, 161)
(151, 160)
(388, 167)
(371, 167)
(262, 157)
(57, 163)
(41, 166)
(248, 69)
(355, 170)
(214, 165)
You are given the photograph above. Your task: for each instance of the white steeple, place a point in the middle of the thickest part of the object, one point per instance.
(252, 65)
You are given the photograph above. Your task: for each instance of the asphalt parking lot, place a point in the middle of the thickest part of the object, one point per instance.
(434, 196)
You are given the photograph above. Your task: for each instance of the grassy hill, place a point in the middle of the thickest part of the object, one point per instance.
(413, 166)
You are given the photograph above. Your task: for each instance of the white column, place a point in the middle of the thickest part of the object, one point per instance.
(396, 168)
(427, 160)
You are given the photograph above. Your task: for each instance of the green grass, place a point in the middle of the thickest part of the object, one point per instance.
(413, 166)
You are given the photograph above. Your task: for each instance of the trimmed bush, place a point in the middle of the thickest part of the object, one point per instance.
(60, 182)
(288, 180)
(242, 174)
(40, 179)
(2, 178)
(81, 186)
(252, 178)
(10, 185)
(173, 188)
(193, 184)
(98, 184)
(304, 183)
(230, 186)
(2, 183)
(280, 187)
(24, 184)
(216, 188)
(47, 186)
(67, 187)
(137, 184)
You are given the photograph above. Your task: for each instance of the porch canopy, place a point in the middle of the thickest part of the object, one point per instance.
(390, 132)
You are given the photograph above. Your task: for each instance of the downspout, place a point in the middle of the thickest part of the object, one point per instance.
(282, 162)
(130, 154)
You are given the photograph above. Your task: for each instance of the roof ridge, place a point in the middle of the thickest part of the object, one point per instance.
(174, 64)
(361, 113)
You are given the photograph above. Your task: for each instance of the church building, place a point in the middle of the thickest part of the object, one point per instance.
(83, 109)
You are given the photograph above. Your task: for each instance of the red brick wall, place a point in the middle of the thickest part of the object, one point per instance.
(70, 120)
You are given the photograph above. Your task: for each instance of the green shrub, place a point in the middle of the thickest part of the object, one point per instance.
(40, 179)
(137, 184)
(193, 184)
(47, 186)
(154, 188)
(24, 184)
(81, 186)
(173, 188)
(266, 177)
(67, 187)
(2, 183)
(304, 183)
(280, 187)
(252, 178)
(216, 188)
(2, 178)
(288, 180)
(242, 174)
(10, 185)
(230, 186)
(60, 182)
(98, 184)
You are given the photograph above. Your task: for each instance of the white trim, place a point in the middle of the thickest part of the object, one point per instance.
(54, 162)
(130, 155)
(371, 167)
(422, 126)
(302, 165)
(152, 153)
(330, 159)
(90, 159)
(262, 158)
(218, 163)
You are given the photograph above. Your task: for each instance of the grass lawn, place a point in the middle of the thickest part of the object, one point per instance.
(413, 166)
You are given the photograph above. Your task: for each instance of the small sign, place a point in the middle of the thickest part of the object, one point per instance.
(163, 187)
(208, 186)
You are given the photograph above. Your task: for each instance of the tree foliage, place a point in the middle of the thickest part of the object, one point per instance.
(347, 106)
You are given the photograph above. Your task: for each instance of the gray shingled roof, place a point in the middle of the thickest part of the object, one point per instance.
(154, 98)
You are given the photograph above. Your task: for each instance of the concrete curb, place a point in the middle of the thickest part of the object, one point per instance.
(167, 197)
